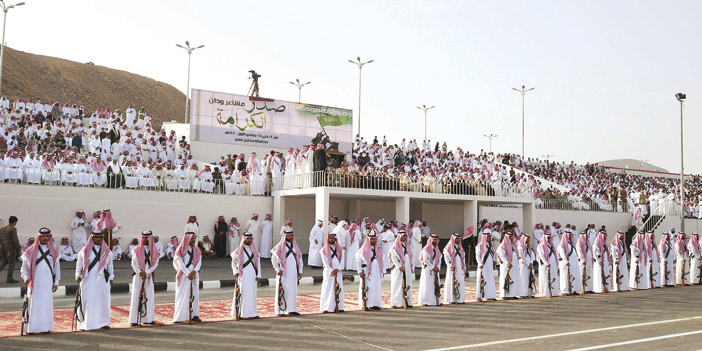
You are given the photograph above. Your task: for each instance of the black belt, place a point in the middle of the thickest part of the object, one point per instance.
(372, 256)
(95, 260)
(333, 251)
(190, 261)
(45, 257)
(250, 261)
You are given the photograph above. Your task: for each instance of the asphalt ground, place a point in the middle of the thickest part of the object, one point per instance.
(667, 318)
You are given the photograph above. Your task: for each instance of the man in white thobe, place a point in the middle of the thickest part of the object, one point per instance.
(507, 256)
(548, 266)
(694, 249)
(353, 243)
(402, 273)
(681, 262)
(429, 283)
(527, 256)
(246, 265)
(570, 274)
(455, 258)
(314, 259)
(583, 249)
(415, 236)
(95, 274)
(144, 263)
(332, 281)
(387, 239)
(286, 259)
(600, 254)
(41, 273)
(266, 236)
(620, 262)
(186, 261)
(667, 258)
(253, 226)
(66, 251)
(80, 235)
(369, 266)
(485, 280)
(652, 274)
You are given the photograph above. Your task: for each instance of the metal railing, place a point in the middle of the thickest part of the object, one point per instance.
(582, 205)
(654, 219)
(404, 182)
(90, 179)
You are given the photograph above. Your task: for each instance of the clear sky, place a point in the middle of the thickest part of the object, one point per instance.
(605, 72)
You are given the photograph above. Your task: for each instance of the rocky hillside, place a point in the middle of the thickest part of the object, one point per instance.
(35, 77)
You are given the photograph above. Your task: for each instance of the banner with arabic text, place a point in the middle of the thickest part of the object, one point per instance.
(237, 119)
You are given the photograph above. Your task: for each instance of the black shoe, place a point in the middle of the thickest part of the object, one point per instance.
(12, 281)
(280, 314)
(135, 324)
(151, 323)
(326, 311)
(376, 308)
(257, 317)
(294, 313)
(341, 311)
(196, 319)
(105, 327)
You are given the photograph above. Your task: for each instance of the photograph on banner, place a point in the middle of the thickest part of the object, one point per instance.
(238, 119)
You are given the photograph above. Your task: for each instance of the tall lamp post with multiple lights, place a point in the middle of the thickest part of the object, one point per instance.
(523, 91)
(5, 8)
(187, 90)
(490, 136)
(360, 65)
(299, 88)
(425, 109)
(681, 98)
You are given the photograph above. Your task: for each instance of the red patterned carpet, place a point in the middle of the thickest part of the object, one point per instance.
(210, 311)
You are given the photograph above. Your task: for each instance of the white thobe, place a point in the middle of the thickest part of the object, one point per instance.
(314, 258)
(80, 235)
(396, 293)
(585, 263)
(373, 277)
(192, 227)
(247, 284)
(289, 281)
(352, 247)
(695, 277)
(148, 289)
(681, 264)
(327, 301)
(460, 275)
(254, 227)
(485, 260)
(41, 302)
(652, 275)
(387, 239)
(95, 290)
(416, 246)
(526, 258)
(568, 262)
(513, 273)
(427, 281)
(667, 258)
(67, 254)
(266, 239)
(602, 271)
(184, 265)
(636, 255)
(544, 271)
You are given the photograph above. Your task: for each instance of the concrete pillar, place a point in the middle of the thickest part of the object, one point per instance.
(470, 214)
(527, 217)
(402, 209)
(321, 205)
(278, 213)
(354, 209)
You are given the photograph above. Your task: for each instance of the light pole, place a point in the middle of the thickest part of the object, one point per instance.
(360, 65)
(523, 91)
(681, 97)
(425, 109)
(5, 8)
(490, 136)
(299, 88)
(187, 90)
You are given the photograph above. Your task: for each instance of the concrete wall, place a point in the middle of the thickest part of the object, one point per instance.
(163, 213)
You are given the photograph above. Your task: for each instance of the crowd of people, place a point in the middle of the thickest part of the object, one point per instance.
(569, 263)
